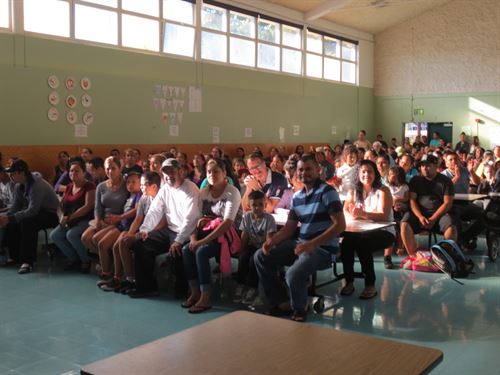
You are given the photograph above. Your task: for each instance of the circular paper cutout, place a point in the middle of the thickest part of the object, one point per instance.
(88, 118)
(53, 82)
(70, 83)
(86, 100)
(54, 98)
(71, 101)
(71, 117)
(85, 83)
(53, 114)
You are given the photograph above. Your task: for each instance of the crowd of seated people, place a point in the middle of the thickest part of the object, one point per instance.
(124, 212)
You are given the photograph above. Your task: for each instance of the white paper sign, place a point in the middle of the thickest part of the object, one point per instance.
(248, 132)
(80, 131)
(296, 130)
(334, 130)
(180, 115)
(282, 134)
(194, 99)
(215, 134)
(173, 130)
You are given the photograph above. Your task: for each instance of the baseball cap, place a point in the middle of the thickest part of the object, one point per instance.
(18, 166)
(170, 162)
(428, 159)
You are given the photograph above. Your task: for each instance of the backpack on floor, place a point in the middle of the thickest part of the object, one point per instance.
(450, 259)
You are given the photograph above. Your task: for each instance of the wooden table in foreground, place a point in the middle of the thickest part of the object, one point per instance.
(247, 343)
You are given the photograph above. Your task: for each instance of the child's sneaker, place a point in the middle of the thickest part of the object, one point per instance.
(250, 296)
(238, 293)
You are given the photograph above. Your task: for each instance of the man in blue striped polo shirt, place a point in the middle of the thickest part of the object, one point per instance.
(318, 209)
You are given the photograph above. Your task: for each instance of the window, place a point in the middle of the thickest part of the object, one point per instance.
(47, 17)
(331, 58)
(179, 31)
(178, 10)
(149, 7)
(179, 40)
(268, 46)
(96, 25)
(213, 46)
(214, 18)
(138, 32)
(4, 14)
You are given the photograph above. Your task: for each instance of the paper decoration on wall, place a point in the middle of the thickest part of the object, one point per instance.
(88, 118)
(156, 103)
(163, 102)
(165, 90)
(194, 99)
(71, 117)
(53, 81)
(86, 100)
(281, 132)
(70, 83)
(85, 83)
(334, 130)
(183, 92)
(180, 115)
(54, 98)
(296, 130)
(215, 134)
(173, 130)
(157, 90)
(71, 101)
(172, 117)
(248, 132)
(177, 91)
(81, 131)
(53, 114)
(164, 117)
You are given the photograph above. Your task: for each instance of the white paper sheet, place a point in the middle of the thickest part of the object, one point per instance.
(195, 99)
(81, 131)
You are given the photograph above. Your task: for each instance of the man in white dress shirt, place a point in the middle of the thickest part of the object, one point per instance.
(168, 224)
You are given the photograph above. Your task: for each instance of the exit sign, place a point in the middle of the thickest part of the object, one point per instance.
(418, 112)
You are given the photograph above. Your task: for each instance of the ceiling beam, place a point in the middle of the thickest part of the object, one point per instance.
(325, 8)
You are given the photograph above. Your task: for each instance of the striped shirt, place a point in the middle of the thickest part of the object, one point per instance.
(313, 211)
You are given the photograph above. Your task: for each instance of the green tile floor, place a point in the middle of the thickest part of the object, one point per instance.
(53, 322)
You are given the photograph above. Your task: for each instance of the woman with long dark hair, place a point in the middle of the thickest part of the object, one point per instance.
(369, 200)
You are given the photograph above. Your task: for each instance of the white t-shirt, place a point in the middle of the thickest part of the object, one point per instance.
(398, 192)
(348, 175)
(226, 206)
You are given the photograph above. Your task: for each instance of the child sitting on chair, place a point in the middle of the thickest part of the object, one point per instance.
(256, 227)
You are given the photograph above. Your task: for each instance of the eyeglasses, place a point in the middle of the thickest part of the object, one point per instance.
(257, 167)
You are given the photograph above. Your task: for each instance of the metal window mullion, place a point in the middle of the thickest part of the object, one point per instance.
(161, 25)
(119, 23)
(228, 36)
(197, 30)
(16, 16)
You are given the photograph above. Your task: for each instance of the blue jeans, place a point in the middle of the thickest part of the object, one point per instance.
(197, 264)
(69, 241)
(297, 275)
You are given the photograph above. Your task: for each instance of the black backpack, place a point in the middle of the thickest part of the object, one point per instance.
(450, 259)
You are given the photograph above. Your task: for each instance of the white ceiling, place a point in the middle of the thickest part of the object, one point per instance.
(371, 16)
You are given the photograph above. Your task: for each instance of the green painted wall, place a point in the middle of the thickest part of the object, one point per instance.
(123, 90)
(461, 109)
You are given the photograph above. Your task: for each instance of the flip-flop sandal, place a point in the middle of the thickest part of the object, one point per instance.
(368, 294)
(347, 290)
(299, 316)
(198, 309)
(187, 304)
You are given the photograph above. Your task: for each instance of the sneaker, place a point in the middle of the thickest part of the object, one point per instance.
(388, 262)
(238, 293)
(110, 287)
(257, 302)
(250, 296)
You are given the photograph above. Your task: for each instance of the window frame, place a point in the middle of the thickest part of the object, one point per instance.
(9, 27)
(198, 29)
